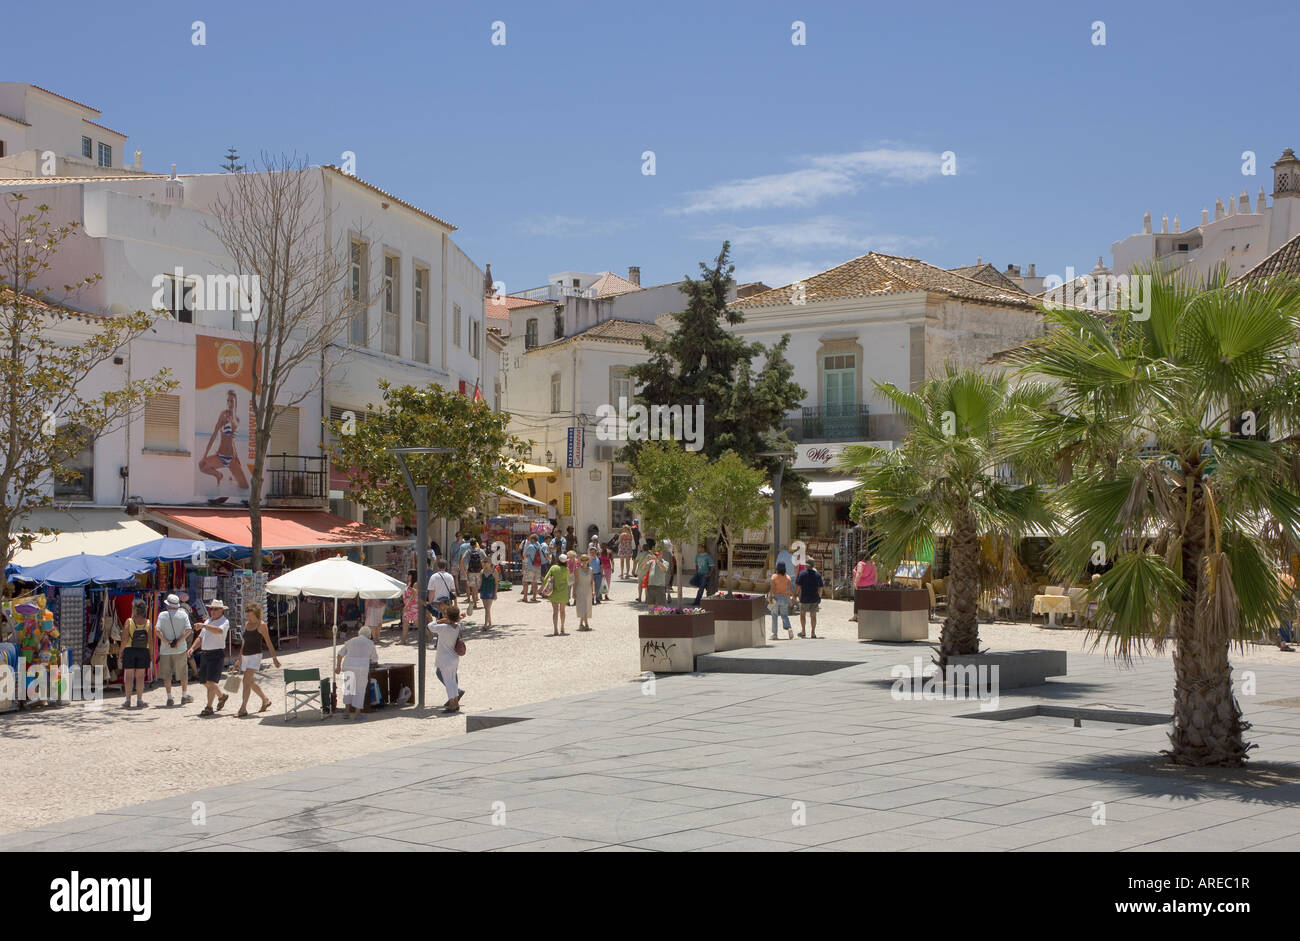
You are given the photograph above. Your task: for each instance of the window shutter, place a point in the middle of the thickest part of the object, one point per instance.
(284, 433)
(162, 422)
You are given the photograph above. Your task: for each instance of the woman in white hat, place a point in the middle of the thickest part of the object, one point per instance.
(355, 657)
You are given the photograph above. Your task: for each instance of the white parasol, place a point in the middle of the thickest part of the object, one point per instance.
(336, 578)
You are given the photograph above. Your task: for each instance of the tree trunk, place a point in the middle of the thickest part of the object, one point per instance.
(960, 632)
(1208, 728)
(255, 511)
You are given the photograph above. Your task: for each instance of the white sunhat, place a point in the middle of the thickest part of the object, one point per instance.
(173, 601)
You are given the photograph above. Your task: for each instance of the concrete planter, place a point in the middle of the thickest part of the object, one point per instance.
(738, 622)
(1013, 669)
(887, 614)
(670, 642)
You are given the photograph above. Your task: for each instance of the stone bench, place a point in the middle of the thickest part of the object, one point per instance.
(1016, 668)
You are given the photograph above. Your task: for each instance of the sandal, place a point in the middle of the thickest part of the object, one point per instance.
(265, 706)
(221, 700)
(207, 711)
(802, 634)
(241, 713)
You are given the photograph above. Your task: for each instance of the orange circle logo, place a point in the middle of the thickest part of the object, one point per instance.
(229, 359)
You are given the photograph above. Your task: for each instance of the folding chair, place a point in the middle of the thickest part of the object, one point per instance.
(302, 698)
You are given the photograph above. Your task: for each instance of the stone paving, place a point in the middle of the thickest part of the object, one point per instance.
(726, 761)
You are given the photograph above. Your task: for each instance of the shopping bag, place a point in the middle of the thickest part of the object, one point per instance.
(232, 682)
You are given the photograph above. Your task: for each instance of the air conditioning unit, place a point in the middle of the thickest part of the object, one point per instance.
(605, 452)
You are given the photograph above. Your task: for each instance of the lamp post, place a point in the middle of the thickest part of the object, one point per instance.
(420, 495)
(776, 497)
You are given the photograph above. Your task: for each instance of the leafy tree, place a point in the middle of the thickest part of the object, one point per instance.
(704, 363)
(726, 498)
(49, 352)
(232, 164)
(426, 416)
(951, 474)
(1159, 484)
(663, 475)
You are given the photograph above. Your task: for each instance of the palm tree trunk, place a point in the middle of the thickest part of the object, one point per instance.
(960, 632)
(1208, 727)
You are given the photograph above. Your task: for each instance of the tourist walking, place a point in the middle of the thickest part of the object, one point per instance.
(459, 568)
(864, 576)
(471, 560)
(256, 640)
(556, 589)
(703, 568)
(583, 588)
(410, 603)
(606, 572)
(446, 664)
(137, 647)
(641, 571)
(656, 578)
(174, 632)
(626, 550)
(375, 617)
(532, 568)
(597, 574)
(488, 590)
(810, 584)
(441, 588)
(636, 534)
(779, 591)
(212, 654)
(355, 657)
(571, 562)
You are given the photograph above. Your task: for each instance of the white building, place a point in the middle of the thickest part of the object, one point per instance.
(45, 134)
(877, 318)
(148, 238)
(1238, 236)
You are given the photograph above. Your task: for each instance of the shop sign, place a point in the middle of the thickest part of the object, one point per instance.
(827, 456)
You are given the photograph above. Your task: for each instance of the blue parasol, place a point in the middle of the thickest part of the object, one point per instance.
(82, 569)
(171, 549)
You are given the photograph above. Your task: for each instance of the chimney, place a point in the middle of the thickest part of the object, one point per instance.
(634, 275)
(1031, 271)
(139, 160)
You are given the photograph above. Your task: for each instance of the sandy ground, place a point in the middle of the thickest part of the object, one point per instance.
(68, 760)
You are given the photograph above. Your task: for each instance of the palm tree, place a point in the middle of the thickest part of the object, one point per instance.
(952, 473)
(1165, 479)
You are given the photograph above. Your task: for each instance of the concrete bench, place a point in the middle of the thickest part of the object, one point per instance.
(1016, 668)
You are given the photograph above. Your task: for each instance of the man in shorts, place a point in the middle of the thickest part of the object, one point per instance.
(810, 584)
(174, 632)
(532, 567)
(471, 561)
(211, 645)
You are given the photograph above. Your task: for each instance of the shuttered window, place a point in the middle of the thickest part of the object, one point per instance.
(162, 423)
(284, 433)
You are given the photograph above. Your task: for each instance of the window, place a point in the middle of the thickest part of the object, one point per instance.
(2, 148)
(392, 314)
(496, 396)
(420, 335)
(162, 423)
(82, 486)
(455, 324)
(530, 333)
(559, 322)
(105, 155)
(839, 394)
(87, 148)
(473, 339)
(284, 433)
(555, 393)
(178, 298)
(620, 387)
(358, 288)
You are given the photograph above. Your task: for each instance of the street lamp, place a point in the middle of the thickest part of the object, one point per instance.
(776, 497)
(420, 495)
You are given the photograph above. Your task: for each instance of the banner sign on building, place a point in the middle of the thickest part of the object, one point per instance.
(575, 447)
(827, 456)
(223, 415)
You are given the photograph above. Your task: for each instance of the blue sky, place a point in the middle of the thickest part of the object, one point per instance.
(804, 156)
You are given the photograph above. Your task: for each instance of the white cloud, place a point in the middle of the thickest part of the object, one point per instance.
(568, 227)
(817, 233)
(825, 176)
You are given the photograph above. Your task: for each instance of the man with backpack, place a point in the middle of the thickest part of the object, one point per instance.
(532, 570)
(471, 562)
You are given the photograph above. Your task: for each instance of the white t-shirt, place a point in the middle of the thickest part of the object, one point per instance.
(359, 649)
(172, 622)
(213, 640)
(442, 584)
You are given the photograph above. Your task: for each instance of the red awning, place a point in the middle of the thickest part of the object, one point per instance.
(281, 529)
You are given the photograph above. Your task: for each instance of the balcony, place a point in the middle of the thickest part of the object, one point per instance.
(296, 480)
(843, 423)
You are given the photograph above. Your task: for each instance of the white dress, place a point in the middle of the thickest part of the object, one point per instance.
(358, 653)
(446, 663)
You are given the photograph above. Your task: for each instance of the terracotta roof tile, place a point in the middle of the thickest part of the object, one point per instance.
(1285, 262)
(103, 128)
(44, 180)
(612, 331)
(611, 285)
(15, 120)
(876, 273)
(499, 306)
(989, 275)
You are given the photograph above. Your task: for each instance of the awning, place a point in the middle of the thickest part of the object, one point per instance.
(93, 530)
(822, 489)
(534, 470)
(622, 497)
(281, 529)
(518, 497)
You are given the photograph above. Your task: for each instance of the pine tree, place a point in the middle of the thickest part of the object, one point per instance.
(232, 164)
(746, 388)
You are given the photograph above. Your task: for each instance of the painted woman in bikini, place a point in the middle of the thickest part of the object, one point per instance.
(226, 458)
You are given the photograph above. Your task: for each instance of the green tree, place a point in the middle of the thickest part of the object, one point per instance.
(427, 416)
(232, 164)
(1160, 485)
(704, 363)
(726, 499)
(951, 474)
(49, 351)
(663, 474)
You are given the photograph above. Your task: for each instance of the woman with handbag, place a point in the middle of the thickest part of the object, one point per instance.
(256, 639)
(446, 663)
